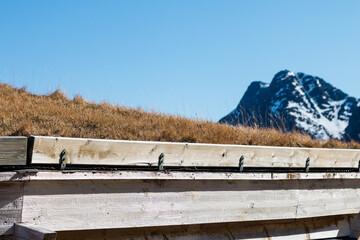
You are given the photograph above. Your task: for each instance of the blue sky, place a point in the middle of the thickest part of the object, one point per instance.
(191, 58)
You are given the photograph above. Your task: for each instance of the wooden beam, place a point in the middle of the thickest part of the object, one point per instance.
(13, 151)
(122, 203)
(355, 226)
(90, 200)
(32, 232)
(72, 175)
(46, 150)
(317, 228)
(11, 201)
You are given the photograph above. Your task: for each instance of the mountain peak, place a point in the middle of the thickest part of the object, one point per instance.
(303, 101)
(284, 74)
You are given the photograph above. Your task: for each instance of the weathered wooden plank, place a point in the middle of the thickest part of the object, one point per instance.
(173, 175)
(31, 232)
(99, 204)
(331, 227)
(355, 226)
(86, 203)
(11, 196)
(47, 150)
(325, 229)
(13, 150)
(152, 175)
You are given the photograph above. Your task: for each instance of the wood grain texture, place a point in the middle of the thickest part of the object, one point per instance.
(11, 199)
(13, 150)
(330, 227)
(314, 208)
(71, 175)
(355, 226)
(103, 204)
(136, 153)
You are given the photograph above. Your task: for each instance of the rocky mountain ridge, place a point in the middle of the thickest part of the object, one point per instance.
(302, 102)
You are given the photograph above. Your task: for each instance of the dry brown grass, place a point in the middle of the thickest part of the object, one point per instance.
(22, 113)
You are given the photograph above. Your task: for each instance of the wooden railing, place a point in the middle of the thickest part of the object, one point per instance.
(38, 201)
(46, 150)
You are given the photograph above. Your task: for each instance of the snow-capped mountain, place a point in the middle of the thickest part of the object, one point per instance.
(299, 101)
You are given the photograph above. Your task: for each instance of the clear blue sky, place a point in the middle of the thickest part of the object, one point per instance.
(192, 58)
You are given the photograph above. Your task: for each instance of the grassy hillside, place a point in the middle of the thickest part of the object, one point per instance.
(24, 114)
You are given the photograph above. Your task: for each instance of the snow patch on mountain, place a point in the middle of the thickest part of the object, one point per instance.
(318, 125)
(288, 74)
(264, 85)
(313, 119)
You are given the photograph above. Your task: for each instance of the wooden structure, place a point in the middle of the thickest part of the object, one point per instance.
(46, 150)
(13, 151)
(296, 203)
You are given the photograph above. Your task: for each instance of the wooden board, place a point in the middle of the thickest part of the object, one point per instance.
(11, 199)
(72, 175)
(13, 150)
(104, 204)
(46, 150)
(317, 228)
(355, 226)
(88, 200)
(31, 232)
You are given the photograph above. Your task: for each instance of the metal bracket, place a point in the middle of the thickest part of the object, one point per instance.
(307, 165)
(241, 163)
(161, 162)
(63, 159)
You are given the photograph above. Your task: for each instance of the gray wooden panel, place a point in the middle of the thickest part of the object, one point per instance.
(330, 227)
(98, 204)
(13, 150)
(355, 226)
(31, 232)
(11, 199)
